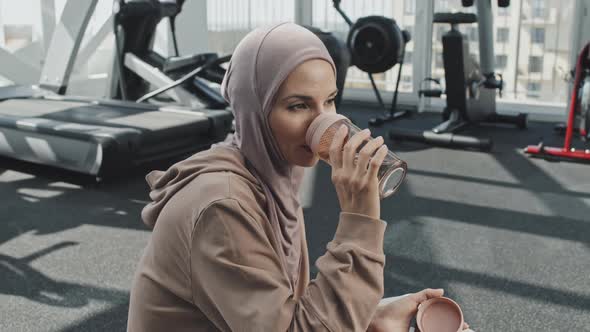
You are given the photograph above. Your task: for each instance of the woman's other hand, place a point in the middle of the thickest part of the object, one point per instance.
(396, 316)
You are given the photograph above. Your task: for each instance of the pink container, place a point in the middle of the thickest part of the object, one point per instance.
(440, 314)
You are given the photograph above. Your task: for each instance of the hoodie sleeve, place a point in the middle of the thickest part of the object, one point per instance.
(238, 280)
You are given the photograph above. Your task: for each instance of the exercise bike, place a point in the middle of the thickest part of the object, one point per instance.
(377, 44)
(184, 79)
(578, 117)
(471, 88)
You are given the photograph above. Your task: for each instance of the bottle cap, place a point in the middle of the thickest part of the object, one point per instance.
(318, 127)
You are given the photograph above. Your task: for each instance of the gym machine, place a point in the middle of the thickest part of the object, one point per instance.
(376, 44)
(578, 117)
(470, 87)
(97, 137)
(139, 67)
(135, 25)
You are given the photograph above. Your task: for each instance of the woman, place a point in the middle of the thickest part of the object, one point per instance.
(228, 249)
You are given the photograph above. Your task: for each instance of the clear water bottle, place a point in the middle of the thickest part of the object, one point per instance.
(319, 138)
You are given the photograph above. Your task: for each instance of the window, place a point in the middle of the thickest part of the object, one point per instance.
(538, 35)
(410, 29)
(503, 11)
(408, 57)
(533, 89)
(538, 8)
(502, 35)
(438, 60)
(535, 64)
(441, 5)
(501, 61)
(228, 21)
(440, 31)
(409, 7)
(473, 34)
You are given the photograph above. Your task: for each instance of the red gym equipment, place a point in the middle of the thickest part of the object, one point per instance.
(579, 107)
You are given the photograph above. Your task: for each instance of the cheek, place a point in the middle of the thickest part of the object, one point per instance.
(289, 130)
(294, 132)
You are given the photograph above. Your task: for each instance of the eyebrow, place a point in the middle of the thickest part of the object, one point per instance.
(305, 97)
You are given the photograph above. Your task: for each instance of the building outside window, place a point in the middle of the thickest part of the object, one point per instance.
(409, 7)
(533, 89)
(503, 11)
(538, 8)
(538, 35)
(441, 5)
(228, 21)
(473, 34)
(410, 29)
(438, 60)
(502, 35)
(535, 64)
(408, 57)
(501, 61)
(440, 31)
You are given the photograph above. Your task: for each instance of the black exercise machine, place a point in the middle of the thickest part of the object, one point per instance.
(376, 44)
(470, 87)
(139, 67)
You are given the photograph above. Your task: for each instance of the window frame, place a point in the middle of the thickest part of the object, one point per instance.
(505, 36)
(534, 34)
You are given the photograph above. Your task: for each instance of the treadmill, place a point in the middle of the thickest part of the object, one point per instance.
(40, 124)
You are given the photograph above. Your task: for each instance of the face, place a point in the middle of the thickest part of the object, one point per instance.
(307, 92)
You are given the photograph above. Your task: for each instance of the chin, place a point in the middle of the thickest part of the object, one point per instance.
(309, 162)
(306, 159)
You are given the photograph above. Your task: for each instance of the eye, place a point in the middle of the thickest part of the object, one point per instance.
(296, 107)
(331, 101)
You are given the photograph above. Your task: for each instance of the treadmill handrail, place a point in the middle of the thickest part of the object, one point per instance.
(174, 84)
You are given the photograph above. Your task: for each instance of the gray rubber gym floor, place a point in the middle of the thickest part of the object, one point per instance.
(505, 235)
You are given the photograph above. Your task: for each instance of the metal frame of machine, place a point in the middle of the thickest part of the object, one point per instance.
(579, 107)
(470, 87)
(96, 137)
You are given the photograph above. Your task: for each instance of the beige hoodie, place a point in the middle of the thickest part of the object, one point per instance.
(213, 263)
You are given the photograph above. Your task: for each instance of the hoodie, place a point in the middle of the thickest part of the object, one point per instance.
(213, 264)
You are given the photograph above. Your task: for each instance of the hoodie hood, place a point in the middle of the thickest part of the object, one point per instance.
(165, 184)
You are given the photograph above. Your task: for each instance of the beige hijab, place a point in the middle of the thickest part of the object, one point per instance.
(259, 65)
